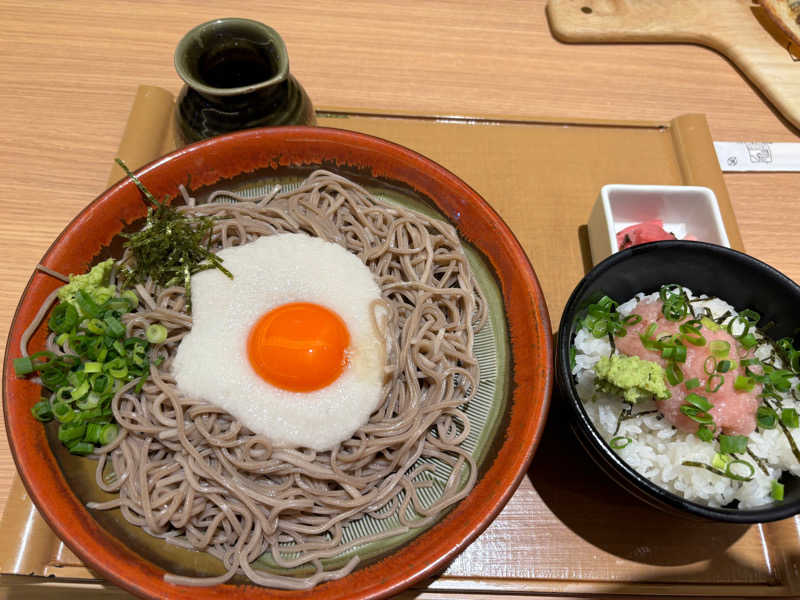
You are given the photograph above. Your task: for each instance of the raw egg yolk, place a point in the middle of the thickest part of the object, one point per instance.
(299, 346)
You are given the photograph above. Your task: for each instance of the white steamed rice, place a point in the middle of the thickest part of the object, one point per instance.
(657, 449)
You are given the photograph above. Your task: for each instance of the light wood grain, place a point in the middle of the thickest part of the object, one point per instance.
(69, 72)
(740, 30)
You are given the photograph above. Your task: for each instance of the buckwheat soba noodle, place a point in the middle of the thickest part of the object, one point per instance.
(188, 472)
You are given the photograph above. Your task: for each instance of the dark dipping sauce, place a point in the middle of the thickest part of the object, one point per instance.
(236, 65)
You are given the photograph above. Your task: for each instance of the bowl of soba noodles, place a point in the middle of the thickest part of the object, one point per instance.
(283, 361)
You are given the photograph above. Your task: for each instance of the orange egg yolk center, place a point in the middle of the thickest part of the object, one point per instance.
(299, 346)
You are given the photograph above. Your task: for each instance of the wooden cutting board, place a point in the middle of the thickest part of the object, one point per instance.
(739, 29)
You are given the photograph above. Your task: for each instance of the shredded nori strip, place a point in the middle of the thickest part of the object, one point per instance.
(788, 435)
(723, 317)
(699, 465)
(639, 414)
(623, 414)
(171, 247)
(759, 461)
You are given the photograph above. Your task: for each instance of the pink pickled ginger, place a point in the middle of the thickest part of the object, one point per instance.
(641, 233)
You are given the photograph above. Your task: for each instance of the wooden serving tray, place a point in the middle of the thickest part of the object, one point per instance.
(568, 530)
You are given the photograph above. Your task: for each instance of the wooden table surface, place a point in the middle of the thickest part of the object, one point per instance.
(69, 71)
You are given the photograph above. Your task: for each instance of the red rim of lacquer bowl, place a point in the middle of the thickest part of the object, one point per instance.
(224, 157)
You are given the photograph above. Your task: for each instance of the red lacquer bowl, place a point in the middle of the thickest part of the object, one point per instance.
(528, 343)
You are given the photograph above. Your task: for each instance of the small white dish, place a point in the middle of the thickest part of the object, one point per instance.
(687, 212)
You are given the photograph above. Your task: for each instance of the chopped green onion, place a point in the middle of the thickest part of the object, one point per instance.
(76, 378)
(116, 305)
(731, 326)
(670, 290)
(619, 442)
(64, 318)
(732, 444)
(117, 368)
(709, 365)
(694, 382)
(102, 384)
(750, 315)
(714, 382)
(98, 360)
(64, 394)
(742, 383)
(675, 303)
(724, 366)
(79, 343)
(778, 378)
(697, 415)
(766, 417)
(777, 491)
(699, 401)
(23, 366)
(132, 297)
(647, 338)
(748, 340)
(631, 319)
(93, 432)
(674, 373)
(87, 415)
(91, 400)
(63, 412)
(690, 331)
(705, 433)
(720, 348)
(720, 461)
(95, 326)
(86, 304)
(92, 367)
(80, 391)
(156, 333)
(730, 473)
(789, 418)
(140, 384)
(674, 311)
(133, 342)
(68, 432)
(41, 411)
(747, 362)
(80, 448)
(108, 433)
(115, 327)
(44, 359)
(54, 377)
(95, 349)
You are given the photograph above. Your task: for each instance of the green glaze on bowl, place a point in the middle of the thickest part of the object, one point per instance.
(237, 77)
(60, 484)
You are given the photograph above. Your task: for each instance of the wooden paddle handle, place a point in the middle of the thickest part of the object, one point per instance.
(633, 21)
(738, 29)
